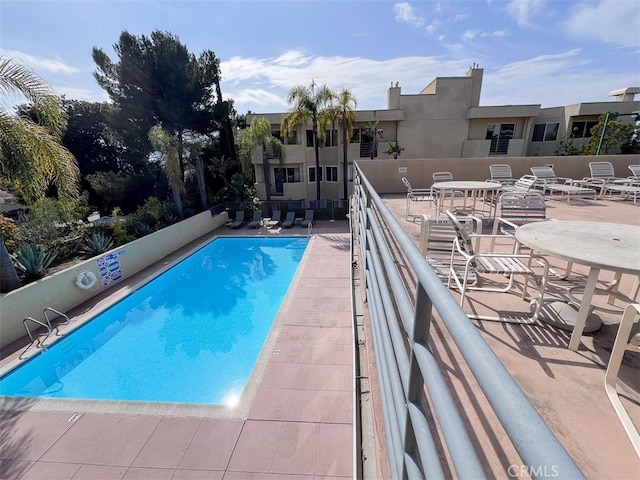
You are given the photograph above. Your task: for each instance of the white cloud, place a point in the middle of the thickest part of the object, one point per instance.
(523, 11)
(615, 22)
(40, 64)
(404, 12)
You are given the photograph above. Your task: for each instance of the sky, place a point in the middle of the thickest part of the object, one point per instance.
(547, 52)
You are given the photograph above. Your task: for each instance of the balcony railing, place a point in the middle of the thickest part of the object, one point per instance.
(423, 423)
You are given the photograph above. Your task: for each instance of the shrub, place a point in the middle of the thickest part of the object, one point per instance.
(33, 260)
(9, 232)
(97, 243)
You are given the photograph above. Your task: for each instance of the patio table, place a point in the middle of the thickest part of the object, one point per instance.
(472, 188)
(598, 245)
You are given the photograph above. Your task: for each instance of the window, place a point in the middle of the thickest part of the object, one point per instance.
(312, 174)
(355, 136)
(331, 173)
(309, 138)
(582, 129)
(331, 138)
(545, 132)
(499, 134)
(284, 175)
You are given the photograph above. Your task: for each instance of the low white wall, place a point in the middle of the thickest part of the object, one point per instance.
(59, 291)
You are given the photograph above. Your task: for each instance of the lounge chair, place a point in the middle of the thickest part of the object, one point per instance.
(256, 220)
(308, 218)
(239, 221)
(547, 182)
(603, 178)
(634, 178)
(418, 195)
(289, 220)
(275, 219)
(500, 265)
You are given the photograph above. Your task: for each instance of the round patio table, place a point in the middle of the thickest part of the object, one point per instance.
(597, 245)
(471, 187)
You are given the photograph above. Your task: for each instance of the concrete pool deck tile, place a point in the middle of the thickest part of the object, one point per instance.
(331, 354)
(102, 472)
(38, 431)
(269, 404)
(296, 448)
(337, 407)
(137, 473)
(331, 458)
(255, 447)
(264, 476)
(10, 468)
(212, 445)
(51, 470)
(309, 376)
(304, 406)
(168, 443)
(278, 374)
(121, 439)
(198, 475)
(338, 377)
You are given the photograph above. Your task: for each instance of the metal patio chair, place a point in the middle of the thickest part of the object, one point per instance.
(547, 182)
(418, 195)
(501, 265)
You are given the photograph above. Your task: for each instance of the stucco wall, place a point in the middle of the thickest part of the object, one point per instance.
(59, 291)
(386, 177)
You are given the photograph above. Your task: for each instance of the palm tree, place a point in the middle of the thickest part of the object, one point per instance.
(31, 156)
(259, 134)
(308, 103)
(346, 105)
(161, 141)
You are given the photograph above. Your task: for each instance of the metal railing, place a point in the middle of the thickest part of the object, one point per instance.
(423, 423)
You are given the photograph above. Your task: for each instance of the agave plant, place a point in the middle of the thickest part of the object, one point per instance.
(33, 260)
(97, 243)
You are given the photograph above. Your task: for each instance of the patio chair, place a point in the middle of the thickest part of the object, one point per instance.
(436, 241)
(239, 221)
(418, 195)
(289, 220)
(446, 177)
(308, 218)
(256, 220)
(547, 182)
(603, 178)
(625, 341)
(275, 219)
(499, 265)
(634, 178)
(501, 173)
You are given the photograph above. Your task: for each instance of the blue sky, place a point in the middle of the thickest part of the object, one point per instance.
(549, 52)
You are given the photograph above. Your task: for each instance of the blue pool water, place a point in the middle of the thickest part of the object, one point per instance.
(191, 335)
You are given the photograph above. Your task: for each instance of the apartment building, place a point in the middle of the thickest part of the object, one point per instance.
(444, 120)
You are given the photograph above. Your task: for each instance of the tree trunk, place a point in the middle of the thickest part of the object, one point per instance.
(317, 152)
(201, 186)
(266, 169)
(177, 200)
(8, 276)
(345, 169)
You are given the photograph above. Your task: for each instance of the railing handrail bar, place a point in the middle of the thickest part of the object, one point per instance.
(531, 436)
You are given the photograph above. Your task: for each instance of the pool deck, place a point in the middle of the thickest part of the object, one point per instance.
(298, 422)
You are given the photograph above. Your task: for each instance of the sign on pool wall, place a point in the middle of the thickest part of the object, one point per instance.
(109, 267)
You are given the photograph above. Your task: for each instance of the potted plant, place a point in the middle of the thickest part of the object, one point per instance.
(394, 149)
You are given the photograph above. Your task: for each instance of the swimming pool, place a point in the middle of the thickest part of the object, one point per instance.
(191, 335)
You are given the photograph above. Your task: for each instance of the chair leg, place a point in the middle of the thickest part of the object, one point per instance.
(620, 346)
